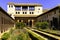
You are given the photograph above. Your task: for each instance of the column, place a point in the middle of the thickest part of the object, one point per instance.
(28, 22)
(32, 23)
(3, 24)
(21, 20)
(28, 10)
(21, 8)
(17, 20)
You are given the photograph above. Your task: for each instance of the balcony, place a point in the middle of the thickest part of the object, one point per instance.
(24, 8)
(18, 8)
(31, 8)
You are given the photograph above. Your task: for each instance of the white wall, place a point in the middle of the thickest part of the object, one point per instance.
(13, 11)
(37, 11)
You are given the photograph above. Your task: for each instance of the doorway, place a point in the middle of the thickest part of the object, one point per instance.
(30, 23)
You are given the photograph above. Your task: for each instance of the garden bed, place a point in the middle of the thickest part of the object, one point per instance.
(53, 32)
(16, 34)
(35, 35)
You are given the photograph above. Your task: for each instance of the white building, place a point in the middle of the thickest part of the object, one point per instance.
(24, 10)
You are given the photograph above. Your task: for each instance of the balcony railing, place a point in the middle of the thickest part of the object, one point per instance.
(31, 8)
(17, 8)
(24, 9)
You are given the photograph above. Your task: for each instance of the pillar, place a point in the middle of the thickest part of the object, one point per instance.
(21, 20)
(28, 23)
(28, 8)
(17, 20)
(32, 23)
(21, 8)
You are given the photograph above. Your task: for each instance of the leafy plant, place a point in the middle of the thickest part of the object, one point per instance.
(11, 31)
(42, 25)
(20, 25)
(5, 36)
(20, 36)
(38, 24)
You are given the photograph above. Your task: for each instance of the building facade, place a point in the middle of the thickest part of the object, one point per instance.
(30, 13)
(52, 16)
(24, 12)
(6, 21)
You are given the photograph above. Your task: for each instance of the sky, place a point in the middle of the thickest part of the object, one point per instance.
(47, 4)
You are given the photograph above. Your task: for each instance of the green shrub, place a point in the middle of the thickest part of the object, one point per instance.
(38, 24)
(11, 31)
(20, 25)
(42, 25)
(5, 36)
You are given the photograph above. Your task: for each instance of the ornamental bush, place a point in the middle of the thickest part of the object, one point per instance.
(38, 24)
(42, 25)
(5, 36)
(20, 25)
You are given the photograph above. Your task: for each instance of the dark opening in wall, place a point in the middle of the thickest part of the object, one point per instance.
(55, 23)
(24, 7)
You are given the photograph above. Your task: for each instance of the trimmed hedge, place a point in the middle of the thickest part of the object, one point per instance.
(35, 34)
(20, 25)
(42, 25)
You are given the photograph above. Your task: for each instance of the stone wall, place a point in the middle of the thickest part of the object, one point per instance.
(51, 16)
(6, 21)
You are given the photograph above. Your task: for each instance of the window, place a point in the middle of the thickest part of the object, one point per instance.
(23, 12)
(31, 12)
(19, 20)
(39, 9)
(18, 12)
(9, 5)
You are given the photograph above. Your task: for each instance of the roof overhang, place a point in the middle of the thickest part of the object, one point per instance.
(17, 15)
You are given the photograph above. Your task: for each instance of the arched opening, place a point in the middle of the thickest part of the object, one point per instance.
(30, 23)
